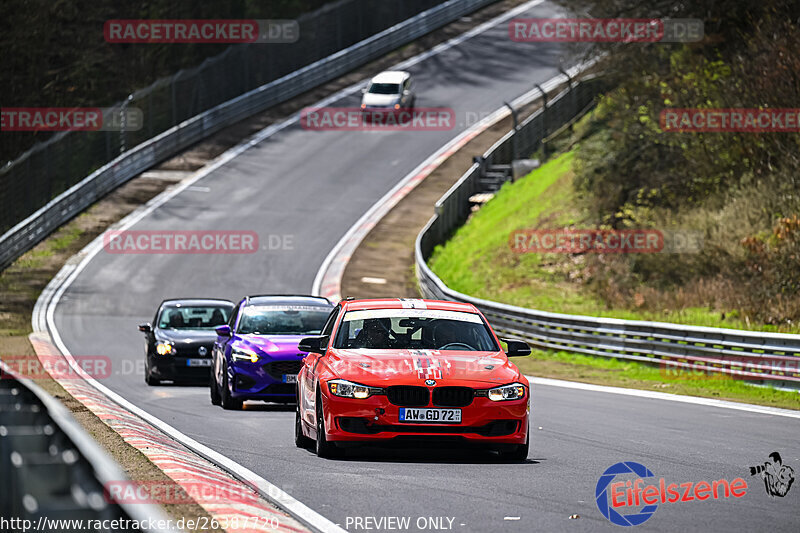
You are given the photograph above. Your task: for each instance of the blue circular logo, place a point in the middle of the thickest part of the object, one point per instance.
(604, 500)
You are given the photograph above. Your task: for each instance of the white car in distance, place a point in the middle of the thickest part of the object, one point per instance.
(391, 90)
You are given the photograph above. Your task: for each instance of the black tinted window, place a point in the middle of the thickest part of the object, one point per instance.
(193, 316)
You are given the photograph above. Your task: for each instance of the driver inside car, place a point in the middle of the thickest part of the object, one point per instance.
(374, 334)
(444, 334)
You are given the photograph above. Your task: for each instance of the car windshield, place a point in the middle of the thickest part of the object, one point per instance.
(384, 88)
(193, 316)
(282, 320)
(414, 329)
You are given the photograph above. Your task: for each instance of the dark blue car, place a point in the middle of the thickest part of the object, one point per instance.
(255, 356)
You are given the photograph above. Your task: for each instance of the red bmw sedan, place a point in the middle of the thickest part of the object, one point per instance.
(405, 369)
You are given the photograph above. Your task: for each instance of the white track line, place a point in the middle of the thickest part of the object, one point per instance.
(43, 317)
(653, 395)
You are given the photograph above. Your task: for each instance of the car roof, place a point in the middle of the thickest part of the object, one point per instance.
(287, 299)
(407, 303)
(197, 301)
(391, 76)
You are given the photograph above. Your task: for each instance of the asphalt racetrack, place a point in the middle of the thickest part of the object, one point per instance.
(308, 188)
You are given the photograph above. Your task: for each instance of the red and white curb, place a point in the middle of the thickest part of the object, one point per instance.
(249, 513)
(328, 281)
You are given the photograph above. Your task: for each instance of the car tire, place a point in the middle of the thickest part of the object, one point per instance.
(519, 452)
(212, 384)
(226, 400)
(324, 448)
(300, 440)
(148, 376)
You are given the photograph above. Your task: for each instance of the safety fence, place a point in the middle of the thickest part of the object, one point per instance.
(56, 180)
(745, 354)
(52, 470)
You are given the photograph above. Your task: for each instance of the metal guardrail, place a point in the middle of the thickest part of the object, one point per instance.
(746, 354)
(27, 233)
(52, 469)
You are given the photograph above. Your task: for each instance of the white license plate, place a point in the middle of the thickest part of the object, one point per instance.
(290, 378)
(198, 362)
(439, 416)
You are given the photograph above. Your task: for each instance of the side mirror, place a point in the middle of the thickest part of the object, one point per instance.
(313, 344)
(145, 328)
(517, 348)
(223, 331)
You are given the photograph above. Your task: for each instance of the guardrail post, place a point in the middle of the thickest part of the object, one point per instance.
(544, 121)
(514, 148)
(173, 104)
(150, 118)
(572, 96)
(123, 123)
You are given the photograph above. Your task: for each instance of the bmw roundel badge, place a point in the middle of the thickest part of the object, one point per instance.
(430, 382)
(202, 351)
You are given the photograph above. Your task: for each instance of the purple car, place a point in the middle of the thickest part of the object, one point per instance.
(255, 356)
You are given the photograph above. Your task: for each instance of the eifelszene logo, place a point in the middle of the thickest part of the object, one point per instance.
(640, 501)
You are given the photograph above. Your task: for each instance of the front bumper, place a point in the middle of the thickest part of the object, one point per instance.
(380, 115)
(264, 380)
(483, 420)
(176, 368)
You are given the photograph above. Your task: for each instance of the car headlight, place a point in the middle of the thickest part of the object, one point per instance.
(244, 354)
(515, 391)
(165, 348)
(348, 389)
